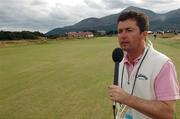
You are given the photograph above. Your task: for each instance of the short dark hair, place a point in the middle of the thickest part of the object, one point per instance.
(140, 18)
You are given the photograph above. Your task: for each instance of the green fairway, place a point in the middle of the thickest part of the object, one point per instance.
(63, 79)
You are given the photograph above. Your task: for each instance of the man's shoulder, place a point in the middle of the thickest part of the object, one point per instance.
(157, 55)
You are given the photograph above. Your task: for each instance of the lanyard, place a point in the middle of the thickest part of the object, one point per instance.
(136, 73)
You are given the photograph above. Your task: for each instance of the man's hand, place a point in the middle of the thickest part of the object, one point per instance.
(117, 94)
(152, 108)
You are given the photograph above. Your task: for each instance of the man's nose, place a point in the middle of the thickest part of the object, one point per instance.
(123, 34)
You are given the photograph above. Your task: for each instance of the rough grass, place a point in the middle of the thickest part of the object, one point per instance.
(63, 79)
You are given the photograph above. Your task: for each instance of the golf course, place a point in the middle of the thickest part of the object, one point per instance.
(65, 79)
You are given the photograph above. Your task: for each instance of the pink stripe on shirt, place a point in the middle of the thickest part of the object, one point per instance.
(166, 84)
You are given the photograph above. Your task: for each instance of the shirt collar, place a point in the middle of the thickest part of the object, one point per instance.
(135, 61)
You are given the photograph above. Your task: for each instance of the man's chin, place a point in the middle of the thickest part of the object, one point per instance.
(124, 48)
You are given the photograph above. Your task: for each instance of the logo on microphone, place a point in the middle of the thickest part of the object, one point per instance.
(142, 77)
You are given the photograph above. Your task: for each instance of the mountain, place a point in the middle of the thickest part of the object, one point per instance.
(166, 21)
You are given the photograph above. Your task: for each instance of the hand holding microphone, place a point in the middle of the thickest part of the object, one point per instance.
(117, 57)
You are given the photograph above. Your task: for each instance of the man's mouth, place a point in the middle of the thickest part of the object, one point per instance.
(124, 42)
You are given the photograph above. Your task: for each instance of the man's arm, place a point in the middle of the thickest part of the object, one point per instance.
(154, 109)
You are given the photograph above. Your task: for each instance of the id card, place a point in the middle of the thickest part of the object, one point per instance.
(128, 114)
(123, 112)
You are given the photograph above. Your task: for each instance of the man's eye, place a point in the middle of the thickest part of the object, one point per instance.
(129, 30)
(120, 31)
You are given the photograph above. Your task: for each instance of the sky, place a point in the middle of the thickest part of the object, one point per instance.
(45, 15)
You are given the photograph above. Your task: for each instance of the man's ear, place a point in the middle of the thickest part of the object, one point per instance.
(144, 33)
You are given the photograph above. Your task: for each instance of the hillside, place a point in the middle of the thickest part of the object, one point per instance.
(166, 21)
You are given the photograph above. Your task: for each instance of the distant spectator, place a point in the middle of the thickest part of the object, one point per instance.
(155, 35)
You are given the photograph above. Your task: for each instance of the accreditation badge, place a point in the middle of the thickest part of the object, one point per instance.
(123, 112)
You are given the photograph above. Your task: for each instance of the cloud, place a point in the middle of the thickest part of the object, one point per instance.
(45, 15)
(30, 14)
(94, 4)
(161, 6)
(159, 1)
(38, 15)
(38, 3)
(114, 4)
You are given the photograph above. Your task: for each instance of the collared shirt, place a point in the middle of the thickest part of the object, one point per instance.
(166, 86)
(130, 65)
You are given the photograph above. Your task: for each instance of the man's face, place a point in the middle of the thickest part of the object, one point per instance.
(129, 35)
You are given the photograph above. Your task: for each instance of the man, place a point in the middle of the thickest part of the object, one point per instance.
(148, 86)
(155, 35)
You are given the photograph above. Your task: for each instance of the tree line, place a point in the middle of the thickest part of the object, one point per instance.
(26, 35)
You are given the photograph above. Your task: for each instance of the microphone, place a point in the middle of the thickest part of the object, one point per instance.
(117, 56)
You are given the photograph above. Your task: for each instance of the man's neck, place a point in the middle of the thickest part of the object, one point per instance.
(135, 54)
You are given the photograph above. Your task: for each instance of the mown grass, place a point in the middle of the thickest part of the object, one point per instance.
(63, 79)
